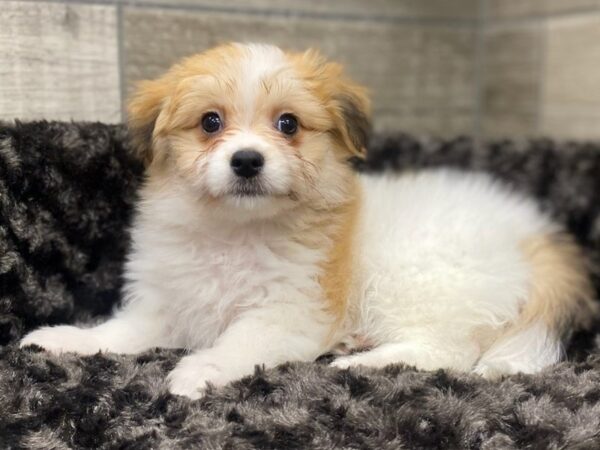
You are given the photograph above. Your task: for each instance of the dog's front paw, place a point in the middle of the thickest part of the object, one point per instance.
(62, 339)
(344, 362)
(191, 375)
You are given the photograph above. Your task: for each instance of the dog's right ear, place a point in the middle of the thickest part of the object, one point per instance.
(143, 111)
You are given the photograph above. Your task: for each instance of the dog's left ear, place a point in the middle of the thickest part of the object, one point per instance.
(352, 111)
(347, 102)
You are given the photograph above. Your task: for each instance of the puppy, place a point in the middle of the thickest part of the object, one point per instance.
(256, 243)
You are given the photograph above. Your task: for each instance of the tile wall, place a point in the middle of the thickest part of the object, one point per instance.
(489, 68)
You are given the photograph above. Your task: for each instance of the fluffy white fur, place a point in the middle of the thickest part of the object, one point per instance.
(439, 269)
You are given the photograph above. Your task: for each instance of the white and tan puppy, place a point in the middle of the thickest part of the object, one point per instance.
(256, 243)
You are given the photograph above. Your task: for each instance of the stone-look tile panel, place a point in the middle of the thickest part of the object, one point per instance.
(387, 9)
(571, 89)
(59, 61)
(566, 6)
(510, 81)
(504, 9)
(421, 77)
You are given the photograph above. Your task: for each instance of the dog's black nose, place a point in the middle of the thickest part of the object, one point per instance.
(247, 163)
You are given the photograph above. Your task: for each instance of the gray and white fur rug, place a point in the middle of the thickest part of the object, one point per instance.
(66, 195)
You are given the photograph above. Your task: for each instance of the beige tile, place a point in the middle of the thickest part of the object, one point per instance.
(388, 9)
(412, 71)
(439, 122)
(506, 124)
(571, 6)
(572, 69)
(571, 91)
(59, 62)
(572, 125)
(511, 80)
(503, 9)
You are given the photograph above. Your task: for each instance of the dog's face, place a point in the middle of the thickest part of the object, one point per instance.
(251, 127)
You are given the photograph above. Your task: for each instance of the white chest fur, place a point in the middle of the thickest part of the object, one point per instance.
(200, 276)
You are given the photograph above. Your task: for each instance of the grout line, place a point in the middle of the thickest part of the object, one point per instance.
(541, 76)
(479, 67)
(121, 60)
(277, 12)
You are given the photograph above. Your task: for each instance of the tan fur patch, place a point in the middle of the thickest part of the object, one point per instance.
(338, 269)
(561, 292)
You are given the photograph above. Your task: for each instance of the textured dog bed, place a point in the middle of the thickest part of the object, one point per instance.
(66, 195)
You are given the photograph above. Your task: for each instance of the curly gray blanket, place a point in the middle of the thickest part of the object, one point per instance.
(66, 195)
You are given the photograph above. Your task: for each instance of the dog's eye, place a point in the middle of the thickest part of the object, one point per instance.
(211, 122)
(287, 124)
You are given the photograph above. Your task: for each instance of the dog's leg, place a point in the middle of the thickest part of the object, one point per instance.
(268, 336)
(125, 333)
(424, 354)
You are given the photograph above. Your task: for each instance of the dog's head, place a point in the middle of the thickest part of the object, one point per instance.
(252, 127)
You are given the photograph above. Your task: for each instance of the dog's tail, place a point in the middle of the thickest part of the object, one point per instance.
(561, 299)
